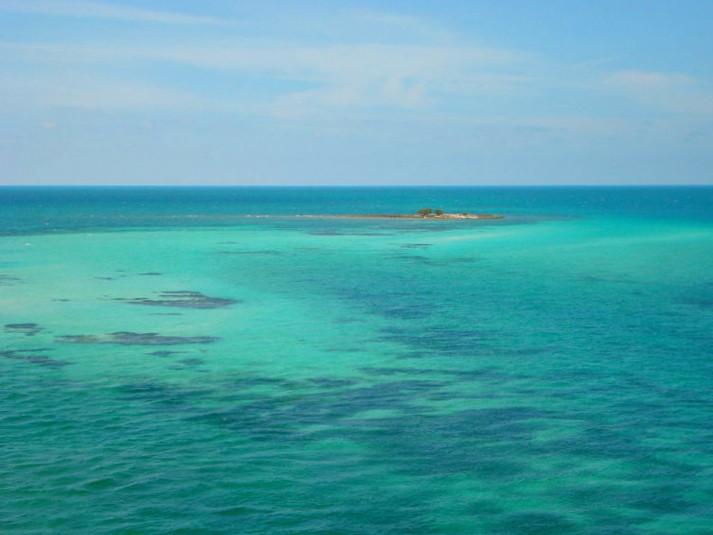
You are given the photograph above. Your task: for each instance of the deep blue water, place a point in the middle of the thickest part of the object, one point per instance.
(46, 209)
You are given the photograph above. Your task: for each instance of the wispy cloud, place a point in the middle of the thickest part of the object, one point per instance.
(404, 26)
(87, 93)
(340, 76)
(103, 10)
(664, 91)
(320, 79)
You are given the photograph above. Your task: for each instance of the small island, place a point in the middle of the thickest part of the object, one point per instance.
(423, 213)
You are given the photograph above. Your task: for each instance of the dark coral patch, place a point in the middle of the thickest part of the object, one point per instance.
(28, 329)
(164, 353)
(7, 280)
(182, 299)
(29, 356)
(136, 339)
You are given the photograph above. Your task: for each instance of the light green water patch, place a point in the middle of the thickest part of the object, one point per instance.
(87, 288)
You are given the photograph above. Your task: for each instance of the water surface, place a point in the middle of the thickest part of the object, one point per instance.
(170, 365)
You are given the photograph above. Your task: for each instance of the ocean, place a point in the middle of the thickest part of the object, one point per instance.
(204, 361)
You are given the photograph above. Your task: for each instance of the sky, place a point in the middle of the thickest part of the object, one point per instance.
(337, 92)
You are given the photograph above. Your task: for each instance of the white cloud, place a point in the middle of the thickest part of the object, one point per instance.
(42, 92)
(392, 76)
(665, 91)
(403, 25)
(322, 79)
(493, 130)
(343, 76)
(103, 10)
(642, 80)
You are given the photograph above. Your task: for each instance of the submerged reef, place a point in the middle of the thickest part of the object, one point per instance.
(164, 353)
(28, 355)
(28, 329)
(136, 339)
(181, 299)
(7, 280)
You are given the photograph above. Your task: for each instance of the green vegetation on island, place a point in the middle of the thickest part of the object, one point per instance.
(430, 213)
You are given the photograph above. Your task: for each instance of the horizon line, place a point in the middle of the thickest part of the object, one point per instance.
(374, 186)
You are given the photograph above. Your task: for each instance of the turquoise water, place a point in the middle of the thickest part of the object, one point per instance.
(170, 365)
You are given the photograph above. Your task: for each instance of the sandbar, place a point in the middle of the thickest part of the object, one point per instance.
(408, 216)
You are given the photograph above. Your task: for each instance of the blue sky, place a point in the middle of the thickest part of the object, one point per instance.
(390, 92)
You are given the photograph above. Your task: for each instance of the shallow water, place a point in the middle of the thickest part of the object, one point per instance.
(170, 365)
